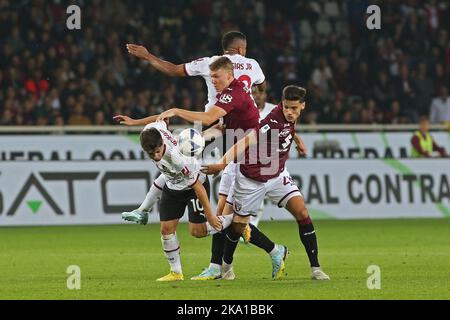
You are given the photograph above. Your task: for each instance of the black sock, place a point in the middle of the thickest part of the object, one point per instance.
(309, 240)
(260, 240)
(231, 242)
(217, 245)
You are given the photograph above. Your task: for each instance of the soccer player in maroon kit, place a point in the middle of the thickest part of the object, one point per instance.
(263, 173)
(239, 113)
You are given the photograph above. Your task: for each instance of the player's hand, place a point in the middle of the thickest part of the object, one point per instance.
(137, 51)
(301, 149)
(125, 120)
(166, 115)
(214, 221)
(214, 169)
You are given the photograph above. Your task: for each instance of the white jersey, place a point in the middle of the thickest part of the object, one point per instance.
(268, 107)
(246, 70)
(181, 172)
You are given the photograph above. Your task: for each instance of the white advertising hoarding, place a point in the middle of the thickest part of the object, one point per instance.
(94, 192)
(126, 147)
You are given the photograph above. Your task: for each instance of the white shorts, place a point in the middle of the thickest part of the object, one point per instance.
(227, 179)
(247, 194)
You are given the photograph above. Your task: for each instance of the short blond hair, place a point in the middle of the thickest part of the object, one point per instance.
(221, 63)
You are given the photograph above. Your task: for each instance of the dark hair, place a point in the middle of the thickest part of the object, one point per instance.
(221, 63)
(151, 139)
(229, 37)
(294, 93)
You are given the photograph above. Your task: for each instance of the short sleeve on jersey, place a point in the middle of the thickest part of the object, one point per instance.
(226, 101)
(157, 125)
(260, 77)
(199, 67)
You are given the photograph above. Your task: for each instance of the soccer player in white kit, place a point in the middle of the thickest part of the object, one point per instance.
(185, 187)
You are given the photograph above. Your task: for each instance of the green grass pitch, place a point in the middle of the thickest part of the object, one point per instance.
(123, 261)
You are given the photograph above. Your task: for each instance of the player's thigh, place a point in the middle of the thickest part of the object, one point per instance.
(247, 195)
(172, 205)
(281, 189)
(227, 179)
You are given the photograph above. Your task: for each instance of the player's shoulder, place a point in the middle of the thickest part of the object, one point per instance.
(160, 125)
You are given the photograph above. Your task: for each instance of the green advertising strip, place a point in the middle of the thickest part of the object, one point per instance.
(403, 169)
(134, 138)
(319, 214)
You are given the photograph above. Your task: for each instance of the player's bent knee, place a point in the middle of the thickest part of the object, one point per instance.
(237, 228)
(167, 228)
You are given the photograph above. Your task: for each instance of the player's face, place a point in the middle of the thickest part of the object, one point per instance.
(156, 154)
(221, 78)
(259, 96)
(424, 125)
(292, 109)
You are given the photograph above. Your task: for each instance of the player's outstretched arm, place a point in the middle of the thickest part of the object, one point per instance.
(125, 120)
(206, 118)
(301, 147)
(166, 67)
(235, 153)
(202, 196)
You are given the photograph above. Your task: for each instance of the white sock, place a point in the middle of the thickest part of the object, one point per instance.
(153, 195)
(274, 250)
(171, 248)
(227, 267)
(215, 266)
(226, 221)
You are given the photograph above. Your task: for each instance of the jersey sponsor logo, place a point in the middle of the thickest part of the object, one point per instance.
(169, 137)
(265, 129)
(225, 98)
(274, 121)
(284, 133)
(247, 81)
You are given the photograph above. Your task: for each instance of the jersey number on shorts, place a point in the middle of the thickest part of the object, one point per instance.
(288, 180)
(197, 206)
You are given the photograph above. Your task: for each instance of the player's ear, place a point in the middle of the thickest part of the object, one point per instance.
(303, 106)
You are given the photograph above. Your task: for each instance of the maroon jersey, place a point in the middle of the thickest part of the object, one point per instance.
(242, 112)
(275, 137)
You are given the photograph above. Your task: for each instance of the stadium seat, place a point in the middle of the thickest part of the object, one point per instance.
(331, 9)
(324, 27)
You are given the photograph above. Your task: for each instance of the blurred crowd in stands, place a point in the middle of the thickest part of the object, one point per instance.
(50, 75)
